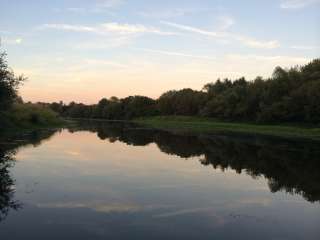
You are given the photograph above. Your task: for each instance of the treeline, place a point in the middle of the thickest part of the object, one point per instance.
(290, 95)
(14, 114)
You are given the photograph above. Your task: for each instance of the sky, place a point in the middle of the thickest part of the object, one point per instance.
(84, 50)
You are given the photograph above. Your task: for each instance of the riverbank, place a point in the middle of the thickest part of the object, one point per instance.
(206, 125)
(27, 117)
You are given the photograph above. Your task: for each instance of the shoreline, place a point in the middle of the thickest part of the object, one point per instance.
(204, 125)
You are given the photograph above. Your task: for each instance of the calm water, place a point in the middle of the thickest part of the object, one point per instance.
(116, 181)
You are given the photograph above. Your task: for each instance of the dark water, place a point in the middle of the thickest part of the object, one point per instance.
(117, 181)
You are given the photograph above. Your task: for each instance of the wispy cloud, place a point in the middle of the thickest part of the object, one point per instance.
(295, 4)
(254, 43)
(68, 27)
(273, 59)
(11, 41)
(179, 54)
(74, 10)
(133, 28)
(225, 22)
(300, 47)
(192, 29)
(4, 32)
(107, 28)
(97, 6)
(248, 41)
(97, 62)
(109, 3)
(110, 42)
(169, 13)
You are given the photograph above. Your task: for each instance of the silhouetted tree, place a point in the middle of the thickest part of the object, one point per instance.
(290, 95)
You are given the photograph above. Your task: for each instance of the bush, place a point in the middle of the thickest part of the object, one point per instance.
(28, 115)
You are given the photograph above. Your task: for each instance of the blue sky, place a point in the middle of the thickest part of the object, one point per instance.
(84, 50)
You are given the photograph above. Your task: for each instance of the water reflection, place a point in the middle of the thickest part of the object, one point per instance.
(289, 165)
(121, 181)
(7, 201)
(8, 148)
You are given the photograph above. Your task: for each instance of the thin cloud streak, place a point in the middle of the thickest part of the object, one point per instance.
(11, 41)
(111, 42)
(107, 28)
(248, 41)
(305, 47)
(109, 3)
(273, 59)
(170, 13)
(96, 6)
(179, 54)
(192, 29)
(296, 4)
(225, 22)
(132, 29)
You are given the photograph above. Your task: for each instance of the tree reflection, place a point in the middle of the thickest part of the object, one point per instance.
(6, 185)
(289, 165)
(8, 149)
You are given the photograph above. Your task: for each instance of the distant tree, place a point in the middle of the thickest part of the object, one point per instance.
(182, 102)
(290, 95)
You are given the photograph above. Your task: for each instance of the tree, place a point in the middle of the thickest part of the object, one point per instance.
(9, 84)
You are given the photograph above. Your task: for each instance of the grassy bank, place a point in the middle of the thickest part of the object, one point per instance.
(28, 117)
(205, 125)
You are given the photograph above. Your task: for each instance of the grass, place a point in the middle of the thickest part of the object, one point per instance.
(207, 125)
(28, 117)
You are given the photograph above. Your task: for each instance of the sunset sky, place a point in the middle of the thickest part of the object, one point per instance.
(84, 50)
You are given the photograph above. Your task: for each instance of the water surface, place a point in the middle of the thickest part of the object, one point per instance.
(118, 181)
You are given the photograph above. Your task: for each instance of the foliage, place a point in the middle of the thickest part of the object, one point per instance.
(29, 115)
(289, 96)
(9, 84)
(13, 112)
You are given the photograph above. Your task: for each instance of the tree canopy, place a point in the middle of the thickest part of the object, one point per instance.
(9, 84)
(289, 95)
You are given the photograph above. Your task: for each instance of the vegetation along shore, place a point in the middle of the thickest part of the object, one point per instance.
(286, 104)
(16, 115)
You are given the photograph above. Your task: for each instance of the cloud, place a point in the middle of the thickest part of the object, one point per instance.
(179, 54)
(132, 28)
(191, 29)
(251, 42)
(110, 42)
(300, 47)
(99, 6)
(169, 13)
(270, 59)
(248, 41)
(4, 32)
(296, 4)
(97, 62)
(9, 41)
(68, 27)
(107, 28)
(225, 22)
(76, 10)
(109, 3)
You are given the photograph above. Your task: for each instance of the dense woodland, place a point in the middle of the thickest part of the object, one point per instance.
(290, 95)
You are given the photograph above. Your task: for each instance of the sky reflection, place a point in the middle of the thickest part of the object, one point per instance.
(78, 185)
